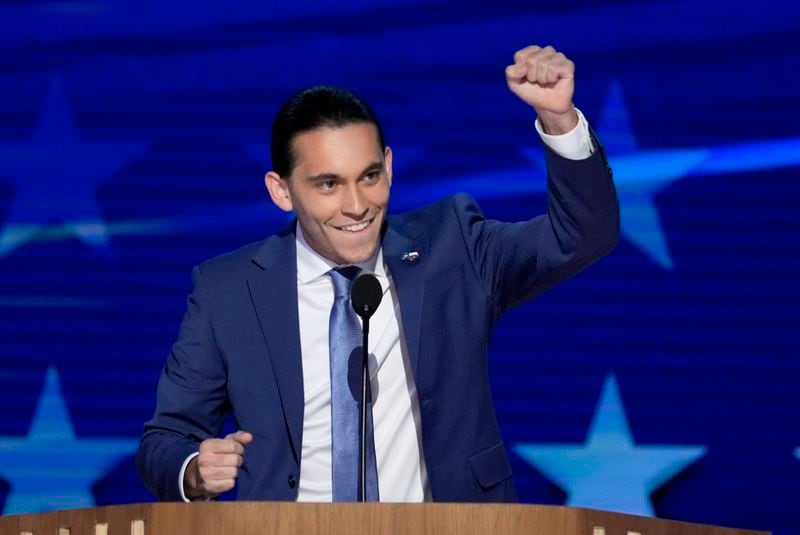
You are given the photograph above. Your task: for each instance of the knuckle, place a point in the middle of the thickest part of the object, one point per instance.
(232, 467)
(215, 474)
(522, 54)
(215, 487)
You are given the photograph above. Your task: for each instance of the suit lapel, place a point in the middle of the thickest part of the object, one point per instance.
(400, 242)
(273, 290)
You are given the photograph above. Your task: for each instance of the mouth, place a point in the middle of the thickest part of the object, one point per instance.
(356, 227)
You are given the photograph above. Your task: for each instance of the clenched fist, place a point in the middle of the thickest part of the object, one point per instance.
(545, 79)
(215, 469)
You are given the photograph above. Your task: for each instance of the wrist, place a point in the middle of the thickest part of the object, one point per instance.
(191, 479)
(555, 124)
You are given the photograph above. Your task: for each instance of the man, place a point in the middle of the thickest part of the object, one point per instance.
(259, 327)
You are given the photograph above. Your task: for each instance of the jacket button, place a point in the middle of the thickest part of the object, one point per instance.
(292, 481)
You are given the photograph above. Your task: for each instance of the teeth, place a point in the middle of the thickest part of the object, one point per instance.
(356, 228)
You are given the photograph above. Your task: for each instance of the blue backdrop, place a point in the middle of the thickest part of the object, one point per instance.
(665, 380)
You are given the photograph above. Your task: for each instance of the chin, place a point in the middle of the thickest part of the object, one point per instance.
(357, 257)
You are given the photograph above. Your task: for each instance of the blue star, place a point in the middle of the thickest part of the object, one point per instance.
(639, 174)
(55, 177)
(609, 471)
(51, 468)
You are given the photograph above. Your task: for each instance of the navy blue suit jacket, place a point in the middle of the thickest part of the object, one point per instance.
(238, 349)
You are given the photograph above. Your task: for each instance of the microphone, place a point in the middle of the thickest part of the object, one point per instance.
(365, 296)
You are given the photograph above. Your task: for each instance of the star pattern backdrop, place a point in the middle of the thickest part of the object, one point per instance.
(662, 381)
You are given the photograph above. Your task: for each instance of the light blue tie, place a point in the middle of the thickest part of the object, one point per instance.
(346, 356)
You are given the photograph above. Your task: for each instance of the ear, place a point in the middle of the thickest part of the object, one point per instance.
(278, 189)
(387, 158)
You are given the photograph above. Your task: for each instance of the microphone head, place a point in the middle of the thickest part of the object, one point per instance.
(366, 294)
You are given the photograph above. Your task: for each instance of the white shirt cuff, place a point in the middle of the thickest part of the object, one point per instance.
(183, 472)
(574, 145)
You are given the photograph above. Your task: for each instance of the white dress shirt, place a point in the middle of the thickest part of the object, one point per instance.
(396, 417)
(395, 410)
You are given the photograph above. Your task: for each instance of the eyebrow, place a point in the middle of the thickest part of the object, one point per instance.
(371, 168)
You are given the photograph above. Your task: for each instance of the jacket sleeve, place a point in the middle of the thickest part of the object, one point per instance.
(517, 261)
(192, 401)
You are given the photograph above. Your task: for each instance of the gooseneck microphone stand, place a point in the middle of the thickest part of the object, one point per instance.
(365, 296)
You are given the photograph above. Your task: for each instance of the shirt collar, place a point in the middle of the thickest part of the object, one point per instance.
(311, 265)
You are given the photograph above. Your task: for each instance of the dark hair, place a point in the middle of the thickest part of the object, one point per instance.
(313, 108)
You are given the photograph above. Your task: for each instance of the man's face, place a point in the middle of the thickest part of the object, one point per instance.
(339, 189)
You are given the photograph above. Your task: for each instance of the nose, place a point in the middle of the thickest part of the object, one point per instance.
(354, 203)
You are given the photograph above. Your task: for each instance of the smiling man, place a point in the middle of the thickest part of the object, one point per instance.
(338, 187)
(264, 324)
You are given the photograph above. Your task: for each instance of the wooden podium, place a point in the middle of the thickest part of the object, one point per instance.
(246, 518)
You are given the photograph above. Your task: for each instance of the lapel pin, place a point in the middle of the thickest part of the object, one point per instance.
(410, 256)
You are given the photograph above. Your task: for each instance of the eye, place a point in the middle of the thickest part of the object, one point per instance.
(373, 176)
(326, 186)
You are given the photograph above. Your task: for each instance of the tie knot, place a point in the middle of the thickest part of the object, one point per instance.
(343, 278)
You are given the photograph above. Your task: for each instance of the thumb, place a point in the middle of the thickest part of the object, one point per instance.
(516, 73)
(242, 437)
